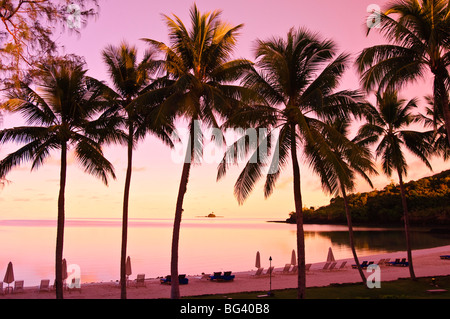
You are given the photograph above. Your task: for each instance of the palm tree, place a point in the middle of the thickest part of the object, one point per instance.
(388, 123)
(353, 159)
(420, 42)
(434, 119)
(60, 118)
(131, 82)
(199, 86)
(297, 77)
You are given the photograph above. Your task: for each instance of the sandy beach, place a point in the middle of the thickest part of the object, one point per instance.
(426, 263)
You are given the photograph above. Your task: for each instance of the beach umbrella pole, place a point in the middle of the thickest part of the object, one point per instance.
(270, 293)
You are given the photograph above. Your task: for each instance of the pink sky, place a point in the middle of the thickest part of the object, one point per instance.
(156, 177)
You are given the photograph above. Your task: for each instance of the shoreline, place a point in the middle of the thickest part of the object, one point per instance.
(426, 263)
(438, 228)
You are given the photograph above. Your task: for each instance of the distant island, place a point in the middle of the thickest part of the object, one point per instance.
(211, 215)
(428, 204)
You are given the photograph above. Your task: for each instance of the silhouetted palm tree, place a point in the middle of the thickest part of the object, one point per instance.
(132, 81)
(199, 86)
(387, 127)
(352, 159)
(297, 77)
(434, 119)
(60, 118)
(418, 31)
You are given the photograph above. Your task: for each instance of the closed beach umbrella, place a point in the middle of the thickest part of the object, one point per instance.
(330, 256)
(293, 258)
(64, 269)
(258, 260)
(128, 266)
(9, 275)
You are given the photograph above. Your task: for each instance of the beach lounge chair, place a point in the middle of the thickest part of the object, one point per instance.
(325, 267)
(294, 269)
(140, 280)
(183, 280)
(166, 280)
(227, 276)
(259, 271)
(445, 257)
(400, 263)
(333, 264)
(343, 264)
(403, 263)
(216, 275)
(45, 285)
(18, 286)
(286, 268)
(269, 270)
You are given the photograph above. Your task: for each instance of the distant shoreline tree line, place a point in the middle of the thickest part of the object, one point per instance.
(290, 90)
(428, 199)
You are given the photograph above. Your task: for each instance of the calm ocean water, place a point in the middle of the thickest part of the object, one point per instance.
(206, 245)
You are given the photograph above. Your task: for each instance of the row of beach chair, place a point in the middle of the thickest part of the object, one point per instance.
(397, 262)
(217, 276)
(260, 271)
(333, 265)
(46, 287)
(384, 262)
(381, 262)
(288, 270)
(182, 280)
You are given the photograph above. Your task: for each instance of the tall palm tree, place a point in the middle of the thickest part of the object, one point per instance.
(60, 118)
(298, 77)
(387, 123)
(131, 81)
(353, 159)
(419, 41)
(199, 87)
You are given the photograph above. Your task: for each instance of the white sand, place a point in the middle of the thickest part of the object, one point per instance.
(426, 263)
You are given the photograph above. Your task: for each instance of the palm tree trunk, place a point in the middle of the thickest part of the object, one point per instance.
(350, 234)
(406, 220)
(126, 197)
(60, 224)
(301, 276)
(175, 287)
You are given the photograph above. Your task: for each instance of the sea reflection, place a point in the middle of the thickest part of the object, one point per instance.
(206, 245)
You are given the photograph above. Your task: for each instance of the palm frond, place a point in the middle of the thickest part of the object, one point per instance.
(280, 157)
(91, 158)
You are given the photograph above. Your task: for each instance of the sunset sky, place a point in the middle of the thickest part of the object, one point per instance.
(156, 176)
